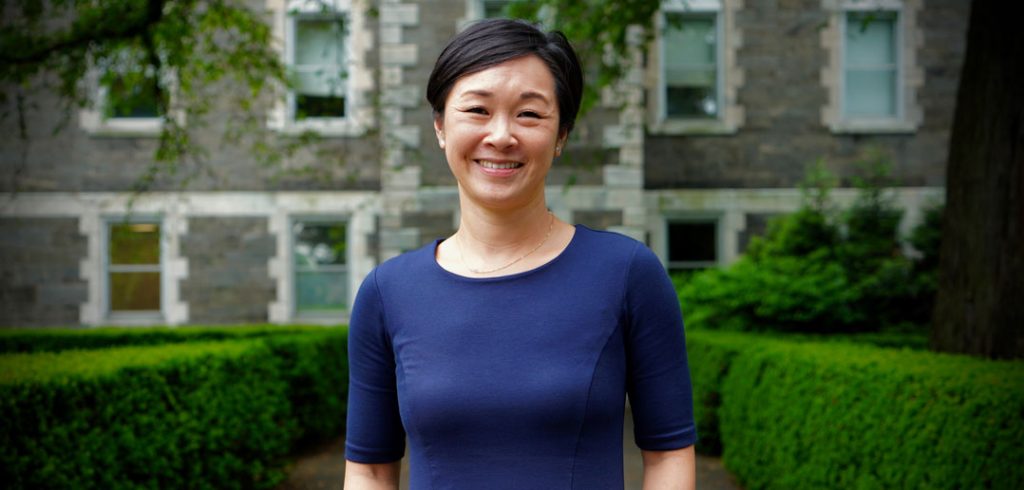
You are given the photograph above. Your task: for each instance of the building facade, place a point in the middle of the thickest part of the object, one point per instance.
(707, 136)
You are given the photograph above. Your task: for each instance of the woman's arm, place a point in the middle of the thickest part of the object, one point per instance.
(670, 470)
(360, 476)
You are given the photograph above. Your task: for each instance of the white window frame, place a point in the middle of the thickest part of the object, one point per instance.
(319, 316)
(909, 76)
(715, 219)
(728, 74)
(94, 121)
(358, 82)
(148, 317)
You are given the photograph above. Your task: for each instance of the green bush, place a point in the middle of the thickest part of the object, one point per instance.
(799, 415)
(820, 270)
(186, 415)
(59, 339)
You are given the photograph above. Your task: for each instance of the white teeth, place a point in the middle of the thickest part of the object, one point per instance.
(496, 165)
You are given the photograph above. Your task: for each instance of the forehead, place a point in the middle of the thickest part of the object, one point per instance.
(510, 78)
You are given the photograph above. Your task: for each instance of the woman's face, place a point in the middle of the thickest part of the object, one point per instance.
(499, 131)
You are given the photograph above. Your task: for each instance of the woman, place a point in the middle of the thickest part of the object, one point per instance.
(504, 352)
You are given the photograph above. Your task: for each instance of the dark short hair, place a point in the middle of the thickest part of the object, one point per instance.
(494, 41)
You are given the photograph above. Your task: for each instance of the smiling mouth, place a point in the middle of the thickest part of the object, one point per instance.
(498, 165)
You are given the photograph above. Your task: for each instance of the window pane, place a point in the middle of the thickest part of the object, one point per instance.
(134, 291)
(692, 242)
(321, 290)
(132, 98)
(135, 243)
(319, 244)
(691, 65)
(870, 39)
(320, 41)
(870, 93)
(307, 106)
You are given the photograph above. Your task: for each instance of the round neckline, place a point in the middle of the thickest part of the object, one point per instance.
(515, 275)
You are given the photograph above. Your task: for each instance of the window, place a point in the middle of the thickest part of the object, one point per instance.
(125, 100)
(692, 245)
(871, 71)
(132, 98)
(693, 70)
(320, 267)
(133, 268)
(319, 67)
(324, 44)
(691, 65)
(872, 76)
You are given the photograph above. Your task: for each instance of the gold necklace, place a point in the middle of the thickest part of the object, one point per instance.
(462, 258)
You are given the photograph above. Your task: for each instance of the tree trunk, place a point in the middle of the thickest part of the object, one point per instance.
(980, 305)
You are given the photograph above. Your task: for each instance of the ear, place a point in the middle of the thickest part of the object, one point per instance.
(560, 142)
(439, 129)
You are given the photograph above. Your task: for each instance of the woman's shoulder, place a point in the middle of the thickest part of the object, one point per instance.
(615, 252)
(610, 243)
(407, 266)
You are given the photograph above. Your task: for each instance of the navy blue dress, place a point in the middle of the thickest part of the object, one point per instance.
(518, 382)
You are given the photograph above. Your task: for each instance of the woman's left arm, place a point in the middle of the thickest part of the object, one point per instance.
(670, 470)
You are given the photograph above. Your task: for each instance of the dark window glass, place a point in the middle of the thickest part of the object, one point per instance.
(692, 242)
(130, 98)
(134, 267)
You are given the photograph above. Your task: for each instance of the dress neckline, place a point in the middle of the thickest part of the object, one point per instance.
(432, 250)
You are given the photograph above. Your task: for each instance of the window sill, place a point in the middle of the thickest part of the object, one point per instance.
(322, 127)
(873, 127)
(694, 127)
(140, 318)
(322, 317)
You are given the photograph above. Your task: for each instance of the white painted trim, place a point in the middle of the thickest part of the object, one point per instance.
(359, 115)
(909, 39)
(730, 76)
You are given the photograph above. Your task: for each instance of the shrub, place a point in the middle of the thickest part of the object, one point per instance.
(59, 339)
(819, 270)
(839, 415)
(188, 415)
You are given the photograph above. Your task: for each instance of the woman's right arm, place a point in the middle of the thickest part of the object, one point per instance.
(361, 476)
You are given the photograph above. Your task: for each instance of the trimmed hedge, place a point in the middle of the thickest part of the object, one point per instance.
(56, 340)
(188, 415)
(840, 415)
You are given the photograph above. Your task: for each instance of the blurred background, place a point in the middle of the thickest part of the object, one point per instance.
(835, 187)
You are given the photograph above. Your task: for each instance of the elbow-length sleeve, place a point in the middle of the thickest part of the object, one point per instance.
(658, 377)
(374, 432)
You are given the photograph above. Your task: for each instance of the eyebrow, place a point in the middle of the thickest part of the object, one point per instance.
(529, 94)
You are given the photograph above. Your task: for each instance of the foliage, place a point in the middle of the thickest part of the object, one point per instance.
(178, 55)
(26, 340)
(822, 270)
(601, 31)
(197, 414)
(840, 415)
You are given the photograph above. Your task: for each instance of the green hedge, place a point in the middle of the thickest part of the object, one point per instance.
(188, 415)
(60, 339)
(840, 415)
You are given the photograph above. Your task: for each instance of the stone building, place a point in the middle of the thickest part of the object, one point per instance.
(708, 135)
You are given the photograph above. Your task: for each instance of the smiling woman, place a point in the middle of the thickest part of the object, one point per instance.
(505, 352)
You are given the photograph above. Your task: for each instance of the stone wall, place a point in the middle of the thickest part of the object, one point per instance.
(782, 94)
(39, 265)
(228, 280)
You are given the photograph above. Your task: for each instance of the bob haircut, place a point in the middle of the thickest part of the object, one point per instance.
(494, 41)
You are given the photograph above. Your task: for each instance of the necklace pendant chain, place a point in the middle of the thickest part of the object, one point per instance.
(547, 235)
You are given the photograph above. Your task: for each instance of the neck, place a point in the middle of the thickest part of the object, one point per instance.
(499, 233)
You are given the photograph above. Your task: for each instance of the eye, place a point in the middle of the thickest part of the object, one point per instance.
(530, 114)
(476, 110)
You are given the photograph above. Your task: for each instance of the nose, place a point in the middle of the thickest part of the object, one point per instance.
(500, 133)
